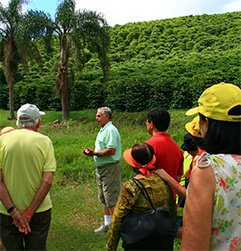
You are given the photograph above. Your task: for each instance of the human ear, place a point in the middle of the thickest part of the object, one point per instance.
(203, 126)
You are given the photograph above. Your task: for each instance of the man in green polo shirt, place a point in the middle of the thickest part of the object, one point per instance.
(27, 163)
(106, 156)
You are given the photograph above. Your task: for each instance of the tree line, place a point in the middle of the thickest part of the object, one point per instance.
(128, 67)
(75, 31)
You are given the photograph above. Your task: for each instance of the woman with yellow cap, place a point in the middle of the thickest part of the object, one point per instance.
(193, 144)
(212, 213)
(141, 158)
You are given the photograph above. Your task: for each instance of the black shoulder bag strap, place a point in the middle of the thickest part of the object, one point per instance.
(143, 191)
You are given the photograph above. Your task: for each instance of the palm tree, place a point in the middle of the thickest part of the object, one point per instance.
(78, 30)
(18, 32)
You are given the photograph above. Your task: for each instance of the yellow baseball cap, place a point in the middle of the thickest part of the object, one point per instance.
(193, 127)
(216, 102)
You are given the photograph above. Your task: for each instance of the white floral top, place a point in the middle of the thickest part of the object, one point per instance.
(226, 222)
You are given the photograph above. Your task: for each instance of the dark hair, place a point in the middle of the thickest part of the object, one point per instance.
(222, 137)
(189, 144)
(142, 153)
(236, 110)
(160, 118)
(198, 141)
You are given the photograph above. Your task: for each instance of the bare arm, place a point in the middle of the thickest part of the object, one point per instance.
(4, 195)
(198, 210)
(179, 189)
(21, 223)
(42, 192)
(100, 153)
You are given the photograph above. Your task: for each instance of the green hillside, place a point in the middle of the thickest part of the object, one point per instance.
(176, 37)
(178, 57)
(164, 62)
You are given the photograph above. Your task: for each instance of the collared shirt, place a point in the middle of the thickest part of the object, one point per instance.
(168, 154)
(24, 156)
(108, 137)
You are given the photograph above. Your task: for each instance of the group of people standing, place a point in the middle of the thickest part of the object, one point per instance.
(107, 154)
(210, 196)
(211, 193)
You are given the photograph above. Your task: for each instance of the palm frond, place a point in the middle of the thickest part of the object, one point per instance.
(65, 17)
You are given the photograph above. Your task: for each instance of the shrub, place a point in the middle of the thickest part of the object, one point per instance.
(39, 91)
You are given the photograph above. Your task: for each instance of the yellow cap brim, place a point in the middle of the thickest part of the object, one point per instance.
(193, 129)
(192, 111)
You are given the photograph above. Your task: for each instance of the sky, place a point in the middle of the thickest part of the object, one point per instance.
(125, 11)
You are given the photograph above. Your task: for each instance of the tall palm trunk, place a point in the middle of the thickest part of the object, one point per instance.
(64, 94)
(11, 100)
(10, 68)
(63, 80)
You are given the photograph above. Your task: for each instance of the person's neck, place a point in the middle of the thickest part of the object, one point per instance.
(30, 129)
(155, 131)
(105, 123)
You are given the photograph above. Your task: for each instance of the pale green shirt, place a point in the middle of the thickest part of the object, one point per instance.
(108, 137)
(24, 156)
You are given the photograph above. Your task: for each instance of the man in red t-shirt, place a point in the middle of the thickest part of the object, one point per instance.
(168, 154)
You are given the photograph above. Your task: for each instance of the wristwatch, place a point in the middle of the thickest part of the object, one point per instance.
(10, 209)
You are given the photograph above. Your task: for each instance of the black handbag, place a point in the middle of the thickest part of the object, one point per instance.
(153, 224)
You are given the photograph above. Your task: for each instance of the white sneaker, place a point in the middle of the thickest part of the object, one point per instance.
(102, 229)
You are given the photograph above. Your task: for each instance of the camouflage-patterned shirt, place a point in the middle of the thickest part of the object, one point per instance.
(131, 199)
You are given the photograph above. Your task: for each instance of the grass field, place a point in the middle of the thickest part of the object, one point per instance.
(76, 211)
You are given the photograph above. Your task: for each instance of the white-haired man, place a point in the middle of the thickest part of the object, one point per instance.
(27, 164)
(107, 155)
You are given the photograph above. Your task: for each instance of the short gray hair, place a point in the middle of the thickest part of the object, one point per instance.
(106, 111)
(27, 124)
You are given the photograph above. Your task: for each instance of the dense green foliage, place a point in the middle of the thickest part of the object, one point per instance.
(169, 62)
(18, 31)
(78, 30)
(164, 62)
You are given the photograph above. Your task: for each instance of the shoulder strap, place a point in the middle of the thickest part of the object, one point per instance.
(143, 191)
(204, 160)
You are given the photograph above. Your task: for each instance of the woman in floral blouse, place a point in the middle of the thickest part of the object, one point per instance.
(212, 213)
(141, 158)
